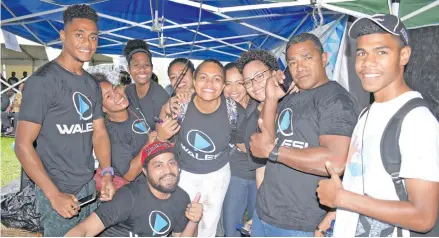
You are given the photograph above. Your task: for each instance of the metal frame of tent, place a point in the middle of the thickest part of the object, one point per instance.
(240, 42)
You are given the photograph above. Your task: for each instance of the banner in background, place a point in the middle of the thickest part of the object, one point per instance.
(332, 36)
(11, 41)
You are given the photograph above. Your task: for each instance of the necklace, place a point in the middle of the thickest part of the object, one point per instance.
(115, 120)
(59, 63)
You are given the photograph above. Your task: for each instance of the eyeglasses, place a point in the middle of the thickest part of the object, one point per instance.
(257, 78)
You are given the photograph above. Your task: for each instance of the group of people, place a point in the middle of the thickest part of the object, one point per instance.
(11, 101)
(228, 145)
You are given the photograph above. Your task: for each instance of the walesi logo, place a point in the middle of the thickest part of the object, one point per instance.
(84, 108)
(285, 122)
(159, 223)
(140, 126)
(200, 141)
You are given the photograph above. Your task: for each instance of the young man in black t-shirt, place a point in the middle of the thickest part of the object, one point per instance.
(155, 207)
(62, 110)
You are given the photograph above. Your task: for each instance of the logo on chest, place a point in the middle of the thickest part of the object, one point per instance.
(140, 126)
(83, 106)
(160, 223)
(200, 141)
(285, 122)
(84, 109)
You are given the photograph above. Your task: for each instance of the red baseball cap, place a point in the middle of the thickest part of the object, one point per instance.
(156, 148)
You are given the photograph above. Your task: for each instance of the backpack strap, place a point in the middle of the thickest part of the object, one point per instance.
(183, 110)
(366, 109)
(390, 150)
(232, 113)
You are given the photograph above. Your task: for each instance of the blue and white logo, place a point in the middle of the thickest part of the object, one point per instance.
(140, 126)
(200, 141)
(159, 223)
(285, 122)
(83, 106)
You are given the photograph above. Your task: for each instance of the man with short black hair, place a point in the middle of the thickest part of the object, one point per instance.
(311, 127)
(13, 80)
(156, 206)
(62, 110)
(386, 194)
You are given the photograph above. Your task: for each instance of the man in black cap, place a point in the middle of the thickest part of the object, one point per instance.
(155, 207)
(382, 193)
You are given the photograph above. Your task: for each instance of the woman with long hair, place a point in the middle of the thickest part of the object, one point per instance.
(208, 125)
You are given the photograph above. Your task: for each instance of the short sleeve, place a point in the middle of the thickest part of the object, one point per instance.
(182, 220)
(118, 209)
(337, 115)
(419, 145)
(38, 95)
(97, 112)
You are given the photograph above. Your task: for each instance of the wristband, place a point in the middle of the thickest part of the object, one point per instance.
(108, 170)
(274, 154)
(321, 231)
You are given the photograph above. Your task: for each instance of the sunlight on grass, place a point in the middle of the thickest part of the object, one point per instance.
(10, 167)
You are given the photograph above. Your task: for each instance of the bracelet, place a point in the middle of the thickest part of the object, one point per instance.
(321, 231)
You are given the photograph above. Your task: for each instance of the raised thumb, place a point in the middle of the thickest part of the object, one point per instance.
(197, 198)
(330, 169)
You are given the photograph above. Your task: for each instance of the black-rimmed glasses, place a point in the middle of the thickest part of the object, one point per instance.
(257, 78)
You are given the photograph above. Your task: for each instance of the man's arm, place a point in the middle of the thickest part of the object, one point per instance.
(312, 160)
(419, 213)
(26, 134)
(268, 115)
(193, 213)
(136, 163)
(90, 227)
(191, 230)
(101, 145)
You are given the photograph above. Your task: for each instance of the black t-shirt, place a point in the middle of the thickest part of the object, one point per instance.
(203, 139)
(150, 104)
(252, 116)
(242, 164)
(12, 81)
(287, 197)
(65, 105)
(127, 140)
(135, 211)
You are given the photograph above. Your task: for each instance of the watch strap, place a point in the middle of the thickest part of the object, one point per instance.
(274, 154)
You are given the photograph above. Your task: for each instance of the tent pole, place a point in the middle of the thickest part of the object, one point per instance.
(32, 15)
(253, 27)
(207, 36)
(230, 19)
(205, 48)
(343, 10)
(210, 40)
(23, 25)
(420, 10)
(211, 49)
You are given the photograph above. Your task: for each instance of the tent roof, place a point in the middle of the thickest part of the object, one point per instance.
(227, 29)
(414, 13)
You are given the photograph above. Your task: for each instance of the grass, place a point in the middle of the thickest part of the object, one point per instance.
(10, 167)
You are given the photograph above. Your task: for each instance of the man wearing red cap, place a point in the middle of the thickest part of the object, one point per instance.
(155, 207)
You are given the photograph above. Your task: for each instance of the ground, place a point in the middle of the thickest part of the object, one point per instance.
(10, 167)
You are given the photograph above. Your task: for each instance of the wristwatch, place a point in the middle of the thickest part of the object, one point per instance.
(274, 154)
(108, 170)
